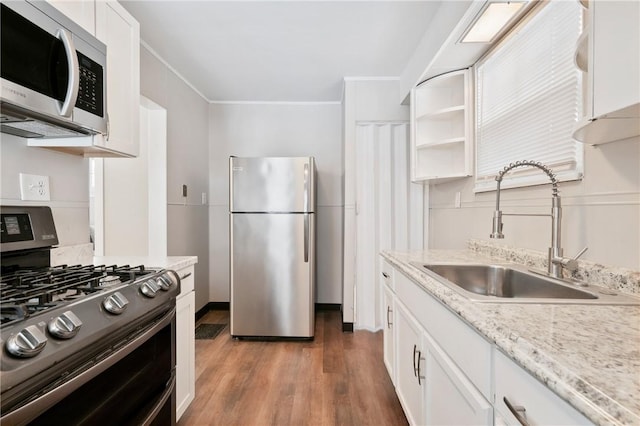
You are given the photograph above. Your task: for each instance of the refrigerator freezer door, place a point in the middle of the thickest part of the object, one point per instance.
(274, 184)
(272, 285)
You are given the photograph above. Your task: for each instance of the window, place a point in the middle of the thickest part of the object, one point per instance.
(528, 99)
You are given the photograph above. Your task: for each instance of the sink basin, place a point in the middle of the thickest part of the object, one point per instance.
(509, 283)
(502, 281)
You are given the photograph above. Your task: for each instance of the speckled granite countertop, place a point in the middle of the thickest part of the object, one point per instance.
(587, 354)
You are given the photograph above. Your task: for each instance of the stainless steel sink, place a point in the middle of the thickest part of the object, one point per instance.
(510, 283)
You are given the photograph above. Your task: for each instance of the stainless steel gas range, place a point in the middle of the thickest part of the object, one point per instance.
(81, 344)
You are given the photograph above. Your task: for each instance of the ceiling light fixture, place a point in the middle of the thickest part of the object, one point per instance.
(491, 20)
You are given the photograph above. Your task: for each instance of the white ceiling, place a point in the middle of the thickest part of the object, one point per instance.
(282, 51)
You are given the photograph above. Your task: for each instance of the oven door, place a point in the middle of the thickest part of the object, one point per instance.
(133, 385)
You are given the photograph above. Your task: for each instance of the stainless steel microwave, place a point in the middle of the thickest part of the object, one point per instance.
(53, 74)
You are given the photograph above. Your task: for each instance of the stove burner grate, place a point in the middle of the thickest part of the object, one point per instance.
(27, 292)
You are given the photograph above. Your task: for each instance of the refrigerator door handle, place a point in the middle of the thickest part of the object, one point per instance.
(306, 238)
(306, 187)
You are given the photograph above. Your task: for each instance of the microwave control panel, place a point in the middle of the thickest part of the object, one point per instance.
(90, 93)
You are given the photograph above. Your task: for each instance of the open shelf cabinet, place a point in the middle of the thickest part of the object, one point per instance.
(441, 127)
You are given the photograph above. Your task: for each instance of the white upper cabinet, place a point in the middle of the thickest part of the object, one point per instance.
(120, 32)
(609, 53)
(116, 28)
(616, 55)
(441, 127)
(82, 13)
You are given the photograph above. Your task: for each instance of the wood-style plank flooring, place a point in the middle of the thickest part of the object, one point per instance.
(336, 379)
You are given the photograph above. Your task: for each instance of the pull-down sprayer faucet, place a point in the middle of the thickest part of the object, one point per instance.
(555, 261)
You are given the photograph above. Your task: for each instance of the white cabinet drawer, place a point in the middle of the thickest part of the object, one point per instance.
(542, 406)
(186, 280)
(470, 351)
(386, 271)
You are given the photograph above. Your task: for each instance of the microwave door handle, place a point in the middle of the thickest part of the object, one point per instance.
(66, 108)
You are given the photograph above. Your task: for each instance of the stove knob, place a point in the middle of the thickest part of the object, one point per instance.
(149, 288)
(116, 303)
(65, 326)
(165, 282)
(28, 343)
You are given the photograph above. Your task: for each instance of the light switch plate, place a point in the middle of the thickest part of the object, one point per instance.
(34, 187)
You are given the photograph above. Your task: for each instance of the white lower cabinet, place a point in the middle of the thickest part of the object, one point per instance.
(448, 374)
(410, 365)
(185, 342)
(389, 332)
(388, 317)
(431, 388)
(451, 398)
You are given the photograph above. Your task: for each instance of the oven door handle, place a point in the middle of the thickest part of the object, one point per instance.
(33, 409)
(171, 384)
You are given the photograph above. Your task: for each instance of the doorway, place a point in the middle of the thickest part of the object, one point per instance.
(389, 210)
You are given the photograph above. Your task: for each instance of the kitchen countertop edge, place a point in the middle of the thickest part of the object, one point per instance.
(587, 399)
(165, 262)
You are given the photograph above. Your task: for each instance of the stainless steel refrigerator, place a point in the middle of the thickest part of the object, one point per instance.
(272, 208)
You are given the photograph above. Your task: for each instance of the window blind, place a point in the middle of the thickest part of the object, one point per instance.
(528, 98)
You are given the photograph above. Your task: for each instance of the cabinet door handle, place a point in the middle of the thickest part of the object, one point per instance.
(185, 276)
(414, 360)
(384, 274)
(518, 412)
(418, 370)
(389, 323)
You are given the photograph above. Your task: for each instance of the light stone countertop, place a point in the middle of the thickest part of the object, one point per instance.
(168, 262)
(82, 254)
(589, 355)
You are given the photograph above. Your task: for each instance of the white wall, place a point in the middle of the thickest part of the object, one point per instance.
(126, 183)
(187, 163)
(139, 184)
(288, 130)
(68, 181)
(602, 211)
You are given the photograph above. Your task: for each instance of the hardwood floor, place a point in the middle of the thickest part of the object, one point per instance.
(336, 379)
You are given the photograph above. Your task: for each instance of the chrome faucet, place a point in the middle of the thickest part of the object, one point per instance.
(556, 262)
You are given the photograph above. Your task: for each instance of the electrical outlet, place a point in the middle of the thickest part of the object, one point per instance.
(204, 198)
(458, 203)
(34, 187)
